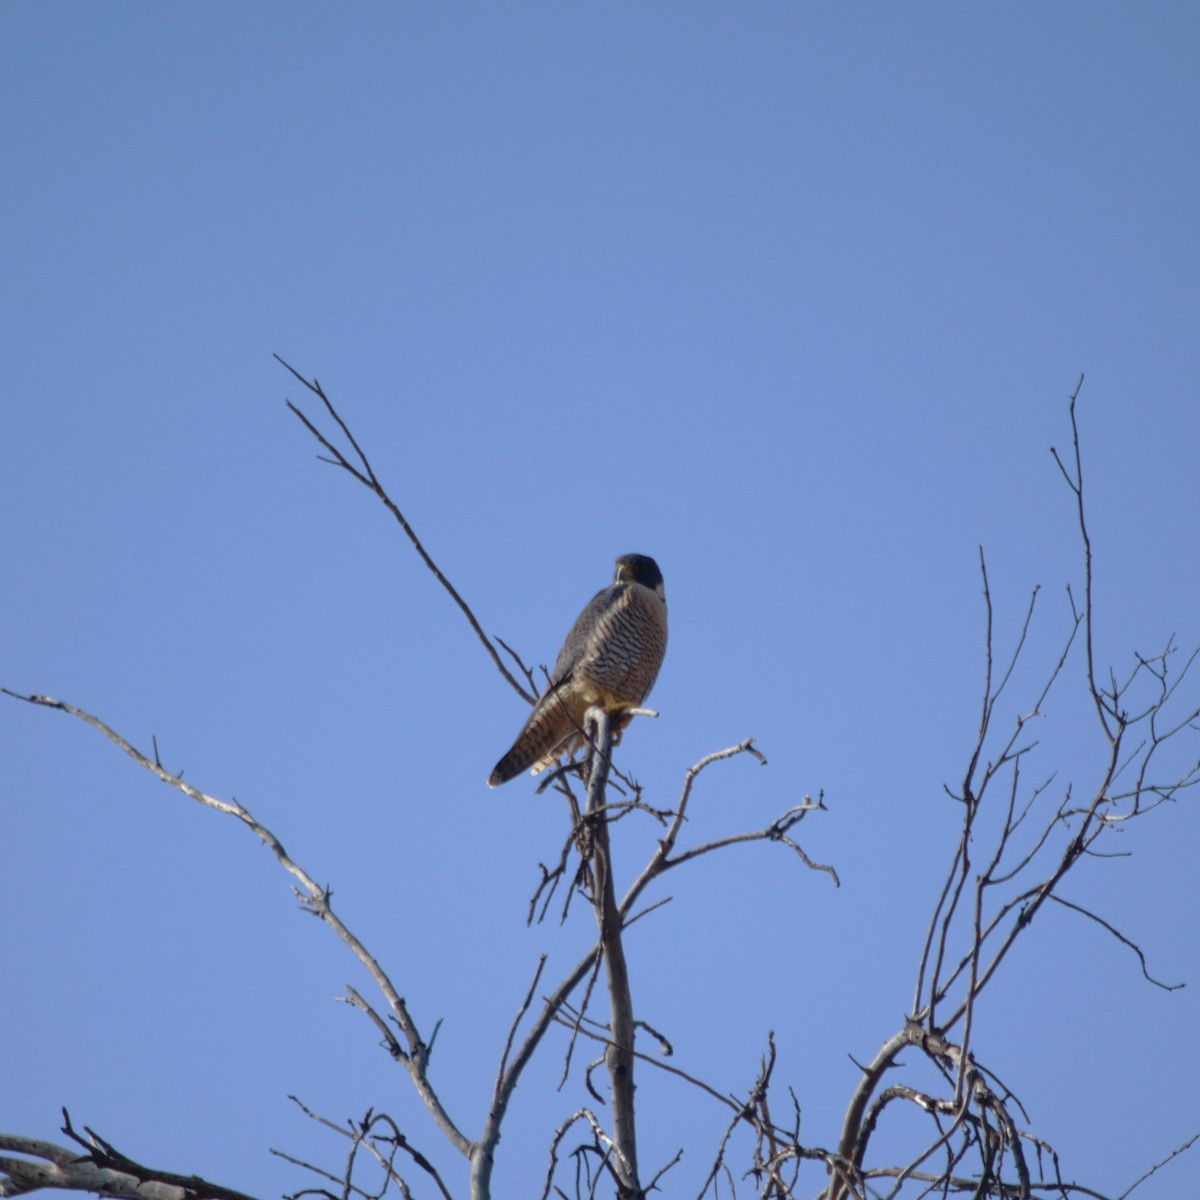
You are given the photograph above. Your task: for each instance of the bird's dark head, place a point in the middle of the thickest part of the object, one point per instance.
(640, 568)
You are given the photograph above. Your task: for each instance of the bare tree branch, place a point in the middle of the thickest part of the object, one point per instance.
(315, 899)
(101, 1169)
(619, 1055)
(1091, 916)
(1158, 1166)
(365, 474)
(381, 1146)
(994, 889)
(1103, 712)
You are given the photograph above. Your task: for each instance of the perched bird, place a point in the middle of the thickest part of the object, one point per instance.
(610, 660)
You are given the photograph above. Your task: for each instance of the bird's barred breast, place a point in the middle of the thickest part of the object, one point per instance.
(628, 648)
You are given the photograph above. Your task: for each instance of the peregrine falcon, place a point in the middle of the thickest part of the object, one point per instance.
(610, 660)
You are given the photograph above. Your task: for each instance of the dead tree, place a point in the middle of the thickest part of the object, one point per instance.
(1017, 843)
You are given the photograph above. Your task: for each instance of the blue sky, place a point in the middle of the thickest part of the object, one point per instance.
(789, 296)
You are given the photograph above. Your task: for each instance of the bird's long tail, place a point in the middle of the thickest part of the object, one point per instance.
(548, 727)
